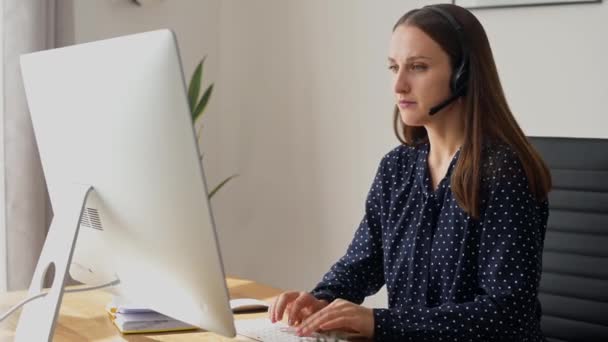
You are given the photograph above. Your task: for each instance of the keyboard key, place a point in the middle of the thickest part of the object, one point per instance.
(262, 329)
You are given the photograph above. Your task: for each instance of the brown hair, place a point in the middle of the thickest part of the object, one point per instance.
(487, 116)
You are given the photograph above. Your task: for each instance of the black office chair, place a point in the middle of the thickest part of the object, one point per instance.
(574, 285)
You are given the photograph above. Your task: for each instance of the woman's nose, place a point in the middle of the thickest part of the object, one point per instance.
(401, 84)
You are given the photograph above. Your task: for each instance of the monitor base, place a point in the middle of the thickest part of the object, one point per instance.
(38, 318)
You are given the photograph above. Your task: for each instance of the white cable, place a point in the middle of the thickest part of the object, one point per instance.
(42, 294)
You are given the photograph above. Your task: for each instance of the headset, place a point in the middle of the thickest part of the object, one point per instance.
(459, 78)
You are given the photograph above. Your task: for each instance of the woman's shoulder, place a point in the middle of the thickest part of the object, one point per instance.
(499, 157)
(502, 166)
(503, 172)
(496, 149)
(401, 155)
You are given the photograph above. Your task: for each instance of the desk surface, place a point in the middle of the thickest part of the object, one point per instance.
(83, 316)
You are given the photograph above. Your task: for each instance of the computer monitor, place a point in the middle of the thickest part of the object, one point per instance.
(121, 162)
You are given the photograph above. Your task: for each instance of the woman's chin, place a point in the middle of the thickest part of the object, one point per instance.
(413, 118)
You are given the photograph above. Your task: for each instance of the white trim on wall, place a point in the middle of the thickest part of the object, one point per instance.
(3, 237)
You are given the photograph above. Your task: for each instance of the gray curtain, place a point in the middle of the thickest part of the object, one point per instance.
(27, 26)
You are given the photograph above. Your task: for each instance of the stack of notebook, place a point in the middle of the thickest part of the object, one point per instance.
(130, 318)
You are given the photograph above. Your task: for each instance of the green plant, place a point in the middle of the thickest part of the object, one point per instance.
(197, 109)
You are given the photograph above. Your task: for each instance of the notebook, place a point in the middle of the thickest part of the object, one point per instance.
(132, 319)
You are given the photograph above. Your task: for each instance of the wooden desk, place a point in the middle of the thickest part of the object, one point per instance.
(83, 317)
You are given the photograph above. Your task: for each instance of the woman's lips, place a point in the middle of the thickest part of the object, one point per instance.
(406, 104)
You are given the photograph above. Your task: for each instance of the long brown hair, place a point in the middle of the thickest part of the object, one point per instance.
(487, 115)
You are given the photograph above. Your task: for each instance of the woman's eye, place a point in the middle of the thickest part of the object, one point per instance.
(418, 67)
(392, 68)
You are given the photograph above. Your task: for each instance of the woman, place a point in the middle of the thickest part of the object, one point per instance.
(455, 219)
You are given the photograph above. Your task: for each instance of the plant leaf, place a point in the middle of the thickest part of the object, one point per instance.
(195, 85)
(200, 108)
(219, 186)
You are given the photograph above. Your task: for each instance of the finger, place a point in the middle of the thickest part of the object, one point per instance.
(270, 310)
(303, 300)
(310, 314)
(295, 307)
(338, 308)
(282, 302)
(277, 306)
(304, 314)
(345, 323)
(314, 315)
(335, 305)
(287, 309)
(312, 324)
(273, 308)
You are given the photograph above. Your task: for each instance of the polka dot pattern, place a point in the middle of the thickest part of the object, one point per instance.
(449, 277)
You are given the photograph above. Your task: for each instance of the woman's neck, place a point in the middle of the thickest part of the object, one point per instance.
(446, 136)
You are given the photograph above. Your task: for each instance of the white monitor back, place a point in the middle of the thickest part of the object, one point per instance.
(114, 114)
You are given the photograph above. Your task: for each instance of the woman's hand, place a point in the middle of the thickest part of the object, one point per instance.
(297, 305)
(340, 315)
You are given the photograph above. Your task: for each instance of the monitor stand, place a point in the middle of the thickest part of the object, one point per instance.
(38, 318)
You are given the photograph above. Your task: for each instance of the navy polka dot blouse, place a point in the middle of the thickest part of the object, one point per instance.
(449, 277)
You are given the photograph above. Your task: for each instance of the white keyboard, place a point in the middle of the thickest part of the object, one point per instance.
(262, 329)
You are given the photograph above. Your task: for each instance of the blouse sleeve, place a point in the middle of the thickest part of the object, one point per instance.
(359, 273)
(511, 236)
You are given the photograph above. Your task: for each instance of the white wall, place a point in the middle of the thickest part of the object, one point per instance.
(195, 23)
(306, 84)
(3, 235)
(552, 61)
(302, 108)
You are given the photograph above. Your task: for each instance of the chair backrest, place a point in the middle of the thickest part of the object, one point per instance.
(574, 284)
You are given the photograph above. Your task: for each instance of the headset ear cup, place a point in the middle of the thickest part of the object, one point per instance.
(459, 79)
(454, 82)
